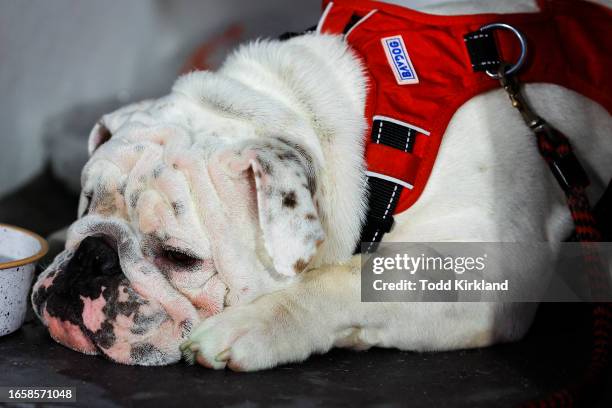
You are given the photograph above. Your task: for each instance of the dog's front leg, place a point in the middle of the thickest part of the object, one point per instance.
(324, 310)
(280, 327)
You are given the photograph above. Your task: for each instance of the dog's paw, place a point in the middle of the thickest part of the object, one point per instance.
(251, 337)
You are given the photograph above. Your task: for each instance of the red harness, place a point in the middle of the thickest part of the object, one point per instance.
(420, 73)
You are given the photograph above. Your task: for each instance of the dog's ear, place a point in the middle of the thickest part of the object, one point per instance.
(99, 135)
(285, 190)
(108, 124)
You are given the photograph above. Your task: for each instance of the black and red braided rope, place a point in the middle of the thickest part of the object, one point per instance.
(556, 150)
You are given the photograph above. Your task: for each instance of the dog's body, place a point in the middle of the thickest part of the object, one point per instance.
(258, 195)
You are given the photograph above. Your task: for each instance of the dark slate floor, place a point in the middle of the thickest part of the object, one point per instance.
(551, 355)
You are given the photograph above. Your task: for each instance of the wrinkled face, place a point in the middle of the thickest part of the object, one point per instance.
(183, 211)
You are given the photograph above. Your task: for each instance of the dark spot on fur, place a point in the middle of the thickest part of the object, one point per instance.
(105, 336)
(143, 323)
(139, 330)
(311, 236)
(128, 307)
(39, 298)
(258, 174)
(146, 353)
(157, 171)
(134, 198)
(312, 183)
(121, 189)
(310, 217)
(224, 107)
(266, 166)
(305, 162)
(178, 208)
(186, 327)
(287, 156)
(298, 148)
(148, 244)
(299, 265)
(175, 166)
(289, 199)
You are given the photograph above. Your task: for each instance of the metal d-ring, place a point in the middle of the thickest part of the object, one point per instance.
(522, 40)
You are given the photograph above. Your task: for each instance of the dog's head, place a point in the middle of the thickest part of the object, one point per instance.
(192, 202)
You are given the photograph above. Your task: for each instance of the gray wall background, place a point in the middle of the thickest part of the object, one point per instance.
(63, 63)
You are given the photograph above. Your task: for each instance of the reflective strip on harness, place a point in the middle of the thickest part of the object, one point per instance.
(391, 179)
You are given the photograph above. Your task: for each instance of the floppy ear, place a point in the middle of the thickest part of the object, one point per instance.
(111, 122)
(285, 191)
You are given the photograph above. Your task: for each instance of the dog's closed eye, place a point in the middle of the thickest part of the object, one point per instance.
(179, 258)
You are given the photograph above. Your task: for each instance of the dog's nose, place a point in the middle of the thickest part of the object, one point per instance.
(95, 257)
(93, 267)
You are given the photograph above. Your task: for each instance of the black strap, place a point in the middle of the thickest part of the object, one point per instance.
(393, 134)
(352, 21)
(290, 34)
(382, 200)
(482, 49)
(383, 195)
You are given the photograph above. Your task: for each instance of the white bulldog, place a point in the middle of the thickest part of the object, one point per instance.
(223, 217)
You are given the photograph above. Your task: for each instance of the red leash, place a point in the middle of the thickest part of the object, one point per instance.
(583, 392)
(556, 150)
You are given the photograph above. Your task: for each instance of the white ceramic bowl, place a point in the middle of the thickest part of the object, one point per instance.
(19, 251)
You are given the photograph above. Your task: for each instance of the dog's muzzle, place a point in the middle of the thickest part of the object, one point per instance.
(101, 296)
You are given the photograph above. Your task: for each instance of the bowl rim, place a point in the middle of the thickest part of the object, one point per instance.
(44, 248)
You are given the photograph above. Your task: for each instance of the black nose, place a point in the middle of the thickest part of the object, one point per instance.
(95, 257)
(93, 268)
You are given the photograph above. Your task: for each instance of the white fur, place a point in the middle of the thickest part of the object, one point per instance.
(488, 184)
(486, 144)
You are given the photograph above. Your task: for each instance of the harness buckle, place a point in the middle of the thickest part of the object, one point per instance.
(553, 145)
